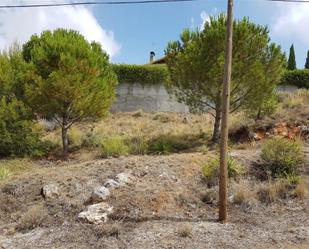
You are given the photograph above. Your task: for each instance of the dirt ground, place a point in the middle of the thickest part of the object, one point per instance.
(162, 208)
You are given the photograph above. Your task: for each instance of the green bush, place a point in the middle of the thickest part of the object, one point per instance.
(165, 144)
(143, 74)
(161, 145)
(17, 135)
(282, 157)
(210, 170)
(299, 78)
(113, 147)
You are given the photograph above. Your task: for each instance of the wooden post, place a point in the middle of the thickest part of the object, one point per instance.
(225, 112)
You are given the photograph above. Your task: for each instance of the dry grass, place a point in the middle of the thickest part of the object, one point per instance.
(13, 167)
(184, 230)
(33, 218)
(109, 229)
(243, 193)
(301, 190)
(273, 191)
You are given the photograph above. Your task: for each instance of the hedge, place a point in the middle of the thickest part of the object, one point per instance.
(299, 78)
(143, 74)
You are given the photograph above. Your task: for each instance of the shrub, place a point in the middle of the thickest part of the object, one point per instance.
(161, 145)
(184, 230)
(282, 157)
(165, 144)
(299, 78)
(301, 190)
(143, 74)
(211, 170)
(33, 218)
(273, 191)
(17, 135)
(113, 147)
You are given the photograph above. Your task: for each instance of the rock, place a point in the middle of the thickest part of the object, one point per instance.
(111, 183)
(124, 178)
(50, 191)
(96, 213)
(100, 194)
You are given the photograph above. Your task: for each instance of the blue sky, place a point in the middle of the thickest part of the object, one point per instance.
(140, 29)
(129, 32)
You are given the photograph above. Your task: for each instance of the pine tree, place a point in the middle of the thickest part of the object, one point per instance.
(292, 61)
(307, 61)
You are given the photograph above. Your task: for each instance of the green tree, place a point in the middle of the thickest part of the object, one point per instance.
(307, 61)
(72, 79)
(292, 60)
(196, 63)
(17, 135)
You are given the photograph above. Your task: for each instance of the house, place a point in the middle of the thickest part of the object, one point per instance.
(152, 60)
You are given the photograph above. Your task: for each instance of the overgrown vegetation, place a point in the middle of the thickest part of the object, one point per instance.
(299, 78)
(143, 74)
(282, 157)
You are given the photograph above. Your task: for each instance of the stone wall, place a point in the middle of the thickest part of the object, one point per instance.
(148, 98)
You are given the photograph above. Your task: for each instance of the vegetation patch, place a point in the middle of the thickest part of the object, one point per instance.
(143, 74)
(210, 170)
(299, 78)
(113, 147)
(282, 157)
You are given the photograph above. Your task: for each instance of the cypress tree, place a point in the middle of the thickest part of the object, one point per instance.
(307, 61)
(292, 61)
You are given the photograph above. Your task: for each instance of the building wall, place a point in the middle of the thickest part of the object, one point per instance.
(148, 98)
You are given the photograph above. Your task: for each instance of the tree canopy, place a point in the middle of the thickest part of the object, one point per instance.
(292, 59)
(196, 66)
(71, 78)
(307, 61)
(17, 136)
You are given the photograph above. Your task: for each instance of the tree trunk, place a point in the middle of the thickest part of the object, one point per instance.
(225, 114)
(65, 143)
(216, 132)
(258, 115)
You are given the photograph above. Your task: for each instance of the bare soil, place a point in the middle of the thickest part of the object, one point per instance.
(162, 208)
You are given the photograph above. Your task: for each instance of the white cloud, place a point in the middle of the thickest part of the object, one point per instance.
(19, 24)
(206, 17)
(292, 22)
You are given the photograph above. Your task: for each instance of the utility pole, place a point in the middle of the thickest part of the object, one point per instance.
(225, 113)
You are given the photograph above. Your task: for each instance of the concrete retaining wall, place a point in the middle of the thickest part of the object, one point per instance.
(154, 98)
(148, 98)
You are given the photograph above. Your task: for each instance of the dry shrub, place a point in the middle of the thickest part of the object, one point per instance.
(243, 195)
(301, 190)
(109, 229)
(33, 218)
(273, 191)
(209, 196)
(184, 230)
